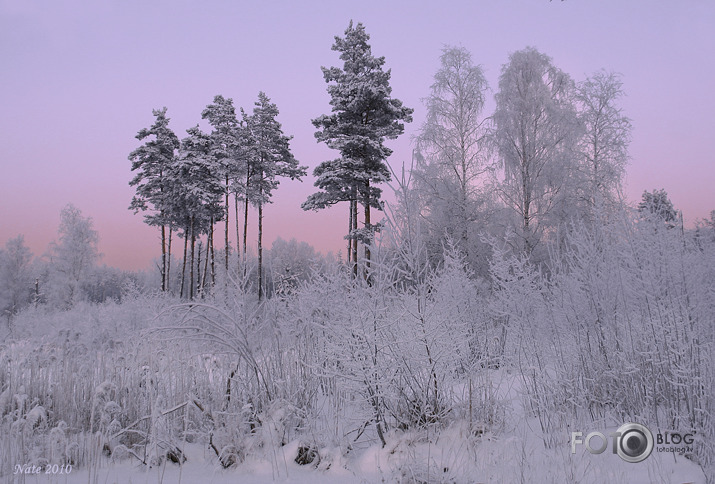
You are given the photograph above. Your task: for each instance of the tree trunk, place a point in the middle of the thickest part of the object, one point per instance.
(209, 243)
(199, 283)
(245, 235)
(350, 229)
(228, 247)
(355, 241)
(367, 226)
(464, 194)
(163, 258)
(245, 219)
(526, 196)
(238, 237)
(527, 229)
(464, 211)
(213, 258)
(183, 268)
(191, 267)
(168, 260)
(260, 250)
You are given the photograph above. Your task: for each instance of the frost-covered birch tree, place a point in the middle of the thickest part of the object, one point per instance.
(535, 133)
(452, 148)
(363, 116)
(72, 256)
(604, 147)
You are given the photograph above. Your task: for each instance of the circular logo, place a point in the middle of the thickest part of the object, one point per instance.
(635, 443)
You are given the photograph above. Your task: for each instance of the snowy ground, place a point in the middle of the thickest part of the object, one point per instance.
(508, 461)
(515, 454)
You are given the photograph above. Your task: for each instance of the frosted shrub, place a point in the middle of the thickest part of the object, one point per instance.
(521, 298)
(441, 342)
(259, 390)
(398, 351)
(621, 328)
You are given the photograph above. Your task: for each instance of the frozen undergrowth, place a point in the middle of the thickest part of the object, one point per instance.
(510, 448)
(420, 376)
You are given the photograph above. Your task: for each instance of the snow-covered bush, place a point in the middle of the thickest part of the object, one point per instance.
(620, 329)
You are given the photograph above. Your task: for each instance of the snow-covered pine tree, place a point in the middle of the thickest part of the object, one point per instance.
(247, 146)
(270, 158)
(657, 204)
(151, 162)
(226, 153)
(363, 116)
(196, 199)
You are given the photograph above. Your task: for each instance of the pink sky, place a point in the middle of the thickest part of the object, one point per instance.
(79, 79)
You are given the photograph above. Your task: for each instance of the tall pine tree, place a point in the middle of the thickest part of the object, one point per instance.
(226, 152)
(270, 158)
(363, 116)
(151, 161)
(196, 198)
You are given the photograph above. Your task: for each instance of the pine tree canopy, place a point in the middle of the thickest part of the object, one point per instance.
(151, 161)
(363, 116)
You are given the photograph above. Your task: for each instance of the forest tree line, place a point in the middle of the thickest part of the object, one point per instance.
(553, 152)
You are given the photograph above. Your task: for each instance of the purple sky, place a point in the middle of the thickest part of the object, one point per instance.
(79, 79)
